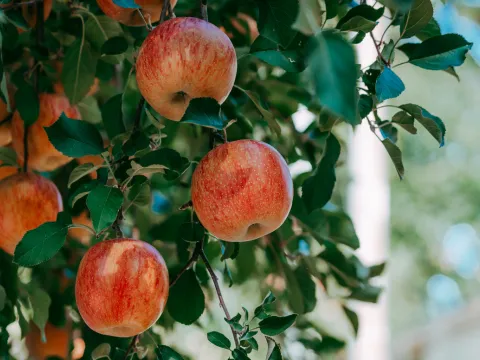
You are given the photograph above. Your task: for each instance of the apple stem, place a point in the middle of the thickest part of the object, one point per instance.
(204, 9)
(132, 346)
(167, 7)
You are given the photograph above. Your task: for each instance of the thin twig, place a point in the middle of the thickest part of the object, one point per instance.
(132, 346)
(219, 294)
(196, 253)
(165, 8)
(377, 47)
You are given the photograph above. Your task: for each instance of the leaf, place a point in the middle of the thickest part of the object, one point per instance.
(3, 297)
(41, 244)
(186, 301)
(228, 274)
(341, 229)
(438, 52)
(205, 112)
(365, 105)
(28, 104)
(307, 288)
(376, 270)
(395, 155)
(130, 101)
(294, 293)
(239, 354)
(98, 29)
(353, 317)
(112, 116)
(275, 325)
(114, 46)
(318, 188)
(263, 110)
(388, 85)
(101, 351)
(104, 203)
(8, 156)
(78, 72)
(273, 352)
(219, 340)
(82, 191)
(417, 18)
(405, 120)
(89, 110)
(175, 164)
(166, 353)
(338, 96)
(127, 4)
(360, 18)
(309, 18)
(139, 193)
(432, 123)
(138, 170)
(79, 172)
(230, 250)
(430, 30)
(75, 138)
(40, 302)
(367, 293)
(276, 20)
(331, 7)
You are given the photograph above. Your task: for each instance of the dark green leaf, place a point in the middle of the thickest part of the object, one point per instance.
(341, 229)
(112, 116)
(127, 4)
(78, 72)
(276, 20)
(417, 18)
(104, 203)
(89, 110)
(228, 274)
(98, 29)
(40, 301)
(360, 18)
(114, 46)
(358, 23)
(275, 325)
(293, 292)
(388, 85)
(175, 164)
(75, 138)
(219, 340)
(318, 188)
(338, 96)
(27, 103)
(79, 172)
(359, 37)
(82, 191)
(8, 156)
(389, 131)
(230, 250)
(396, 156)
(130, 101)
(205, 112)
(365, 105)
(438, 52)
(41, 244)
(376, 270)
(274, 352)
(136, 142)
(405, 120)
(353, 317)
(331, 7)
(430, 30)
(140, 193)
(186, 301)
(367, 293)
(432, 123)
(307, 288)
(239, 354)
(166, 353)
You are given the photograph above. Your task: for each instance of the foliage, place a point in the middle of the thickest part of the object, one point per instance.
(147, 161)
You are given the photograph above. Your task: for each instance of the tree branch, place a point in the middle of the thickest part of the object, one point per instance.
(196, 253)
(132, 346)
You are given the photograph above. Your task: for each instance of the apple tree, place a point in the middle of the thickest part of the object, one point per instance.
(169, 125)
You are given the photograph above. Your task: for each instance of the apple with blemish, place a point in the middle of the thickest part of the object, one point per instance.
(42, 155)
(27, 201)
(121, 287)
(242, 190)
(151, 9)
(183, 59)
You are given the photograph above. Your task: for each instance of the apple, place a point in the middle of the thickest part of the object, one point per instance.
(57, 342)
(121, 287)
(242, 190)
(183, 59)
(92, 159)
(42, 155)
(251, 27)
(6, 171)
(30, 15)
(151, 9)
(27, 201)
(5, 129)
(82, 235)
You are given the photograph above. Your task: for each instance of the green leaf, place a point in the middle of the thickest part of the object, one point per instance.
(263, 110)
(174, 163)
(294, 293)
(78, 72)
(166, 353)
(205, 112)
(417, 18)
(82, 191)
(130, 100)
(140, 193)
(432, 123)
(8, 156)
(353, 317)
(430, 30)
(360, 18)
(79, 172)
(405, 120)
(396, 156)
(104, 203)
(41, 244)
(338, 96)
(89, 110)
(341, 229)
(438, 52)
(309, 18)
(367, 293)
(228, 274)
(40, 302)
(186, 301)
(137, 141)
(219, 340)
(318, 188)
(112, 116)
(27, 103)
(75, 138)
(239, 354)
(275, 325)
(276, 20)
(273, 352)
(3, 297)
(98, 29)
(307, 288)
(127, 4)
(388, 85)
(114, 46)
(376, 270)
(365, 105)
(138, 170)
(230, 250)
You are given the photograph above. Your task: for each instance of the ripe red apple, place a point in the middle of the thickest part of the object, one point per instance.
(121, 287)
(27, 201)
(242, 190)
(42, 155)
(183, 59)
(131, 17)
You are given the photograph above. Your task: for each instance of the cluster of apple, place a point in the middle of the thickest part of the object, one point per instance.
(241, 190)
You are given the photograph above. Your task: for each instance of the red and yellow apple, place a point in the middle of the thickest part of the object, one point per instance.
(42, 155)
(121, 287)
(57, 342)
(30, 15)
(183, 59)
(242, 190)
(27, 201)
(151, 10)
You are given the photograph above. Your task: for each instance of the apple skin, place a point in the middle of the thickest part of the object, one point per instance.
(28, 201)
(42, 155)
(57, 342)
(6, 171)
(183, 59)
(122, 287)
(242, 190)
(131, 17)
(30, 15)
